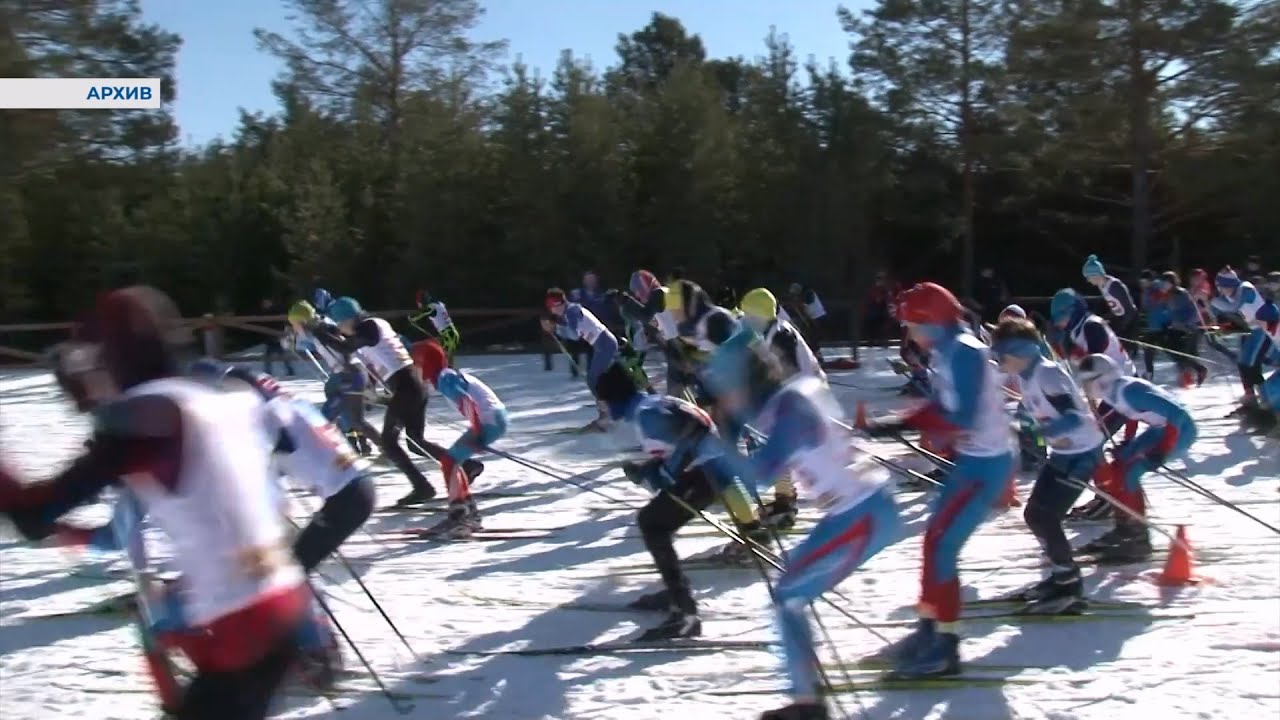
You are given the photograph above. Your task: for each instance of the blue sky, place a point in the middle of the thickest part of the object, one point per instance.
(220, 69)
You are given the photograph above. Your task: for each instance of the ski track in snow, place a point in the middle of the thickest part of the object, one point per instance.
(1222, 663)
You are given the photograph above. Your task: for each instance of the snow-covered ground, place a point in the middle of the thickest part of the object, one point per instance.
(1208, 651)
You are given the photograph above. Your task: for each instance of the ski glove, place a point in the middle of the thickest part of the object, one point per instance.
(653, 474)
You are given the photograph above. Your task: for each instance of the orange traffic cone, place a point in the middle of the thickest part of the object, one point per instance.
(1177, 569)
(860, 416)
(1009, 499)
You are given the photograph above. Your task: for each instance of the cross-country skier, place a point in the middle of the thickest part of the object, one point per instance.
(760, 313)
(808, 312)
(1051, 398)
(344, 376)
(1181, 332)
(195, 459)
(442, 327)
(308, 449)
(1083, 334)
(321, 299)
(860, 515)
(1170, 431)
(1241, 301)
(680, 438)
(487, 419)
(703, 326)
(645, 304)
(582, 324)
(968, 406)
(1124, 314)
(373, 341)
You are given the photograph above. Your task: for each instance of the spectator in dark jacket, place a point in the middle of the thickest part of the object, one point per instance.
(991, 293)
(879, 321)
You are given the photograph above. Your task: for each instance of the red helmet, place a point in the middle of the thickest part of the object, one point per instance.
(554, 297)
(430, 359)
(929, 304)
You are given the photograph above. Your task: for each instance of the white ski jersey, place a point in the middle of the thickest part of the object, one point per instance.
(439, 316)
(805, 362)
(1114, 349)
(1115, 397)
(989, 436)
(389, 356)
(823, 469)
(477, 402)
(1050, 380)
(666, 325)
(1247, 302)
(815, 309)
(222, 517)
(321, 460)
(784, 316)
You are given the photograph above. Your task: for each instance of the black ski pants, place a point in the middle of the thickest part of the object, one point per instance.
(659, 520)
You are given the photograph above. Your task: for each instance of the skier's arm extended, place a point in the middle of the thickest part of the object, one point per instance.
(139, 438)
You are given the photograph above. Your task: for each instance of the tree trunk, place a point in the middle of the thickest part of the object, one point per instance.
(968, 191)
(1141, 138)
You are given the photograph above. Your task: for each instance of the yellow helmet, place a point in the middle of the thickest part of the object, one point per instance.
(302, 312)
(759, 303)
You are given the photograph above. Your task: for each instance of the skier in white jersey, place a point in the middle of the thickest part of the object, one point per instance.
(309, 450)
(442, 328)
(1169, 433)
(1124, 313)
(1052, 400)
(197, 461)
(860, 517)
(380, 348)
(1241, 301)
(1081, 334)
(760, 311)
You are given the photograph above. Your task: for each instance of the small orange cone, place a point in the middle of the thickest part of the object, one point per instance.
(860, 416)
(1010, 497)
(1177, 569)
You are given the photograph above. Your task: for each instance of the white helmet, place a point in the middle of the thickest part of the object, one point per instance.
(1097, 373)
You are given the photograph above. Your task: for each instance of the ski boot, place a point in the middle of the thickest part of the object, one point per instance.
(736, 553)
(319, 662)
(798, 711)
(683, 622)
(1096, 509)
(462, 522)
(473, 469)
(657, 600)
(1062, 593)
(924, 634)
(1129, 542)
(1100, 543)
(417, 496)
(780, 514)
(938, 657)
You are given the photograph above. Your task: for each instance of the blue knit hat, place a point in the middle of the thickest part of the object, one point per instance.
(1093, 267)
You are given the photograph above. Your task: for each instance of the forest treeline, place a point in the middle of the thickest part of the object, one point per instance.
(406, 154)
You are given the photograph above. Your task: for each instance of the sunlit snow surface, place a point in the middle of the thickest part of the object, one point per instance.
(1219, 657)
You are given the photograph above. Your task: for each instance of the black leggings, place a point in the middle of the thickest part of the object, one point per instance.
(662, 517)
(342, 514)
(1057, 488)
(243, 694)
(407, 412)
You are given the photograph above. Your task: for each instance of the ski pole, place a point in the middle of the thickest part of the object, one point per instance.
(1194, 486)
(399, 705)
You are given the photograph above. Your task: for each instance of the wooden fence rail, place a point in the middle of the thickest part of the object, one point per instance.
(211, 328)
